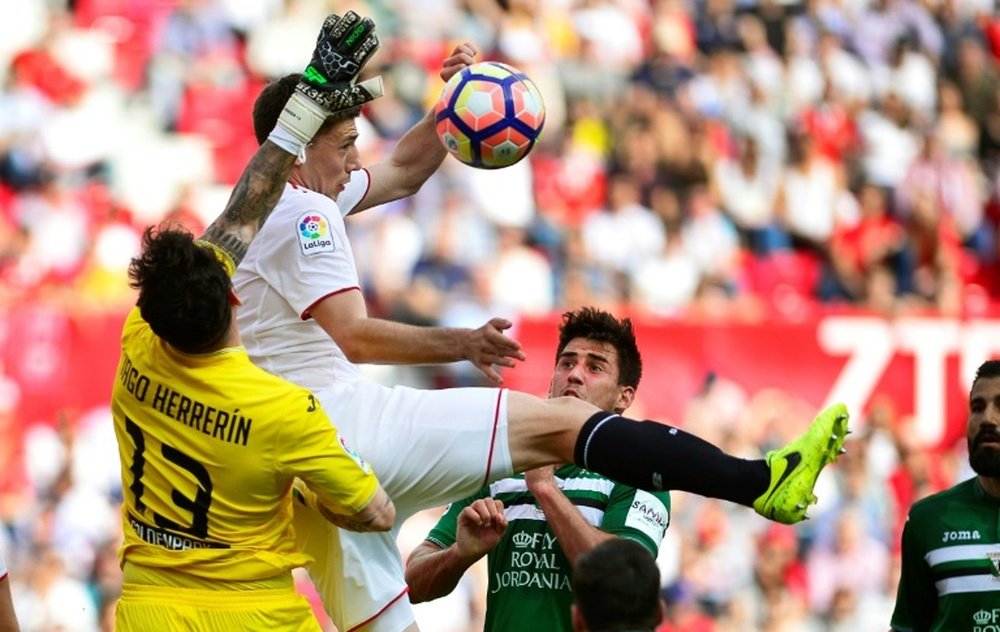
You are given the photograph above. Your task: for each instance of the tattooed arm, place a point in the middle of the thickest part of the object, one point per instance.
(253, 199)
(377, 515)
(343, 47)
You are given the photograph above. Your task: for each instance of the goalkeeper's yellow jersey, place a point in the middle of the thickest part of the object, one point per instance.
(209, 446)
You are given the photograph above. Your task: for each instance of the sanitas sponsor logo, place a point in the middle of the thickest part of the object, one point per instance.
(654, 514)
(648, 514)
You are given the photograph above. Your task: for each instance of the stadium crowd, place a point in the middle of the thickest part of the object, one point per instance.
(724, 157)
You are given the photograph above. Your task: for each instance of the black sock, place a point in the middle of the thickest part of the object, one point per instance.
(654, 456)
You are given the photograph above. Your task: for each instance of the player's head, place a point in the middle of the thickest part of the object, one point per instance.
(185, 293)
(326, 163)
(983, 432)
(597, 359)
(271, 101)
(616, 587)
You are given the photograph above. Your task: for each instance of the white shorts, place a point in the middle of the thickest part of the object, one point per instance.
(428, 448)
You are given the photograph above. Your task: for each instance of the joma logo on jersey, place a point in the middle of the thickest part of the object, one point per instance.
(956, 536)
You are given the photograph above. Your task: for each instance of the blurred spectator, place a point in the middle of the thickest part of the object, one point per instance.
(812, 199)
(521, 276)
(852, 559)
(876, 240)
(196, 47)
(711, 159)
(624, 233)
(747, 189)
(48, 598)
(977, 78)
(955, 130)
(710, 239)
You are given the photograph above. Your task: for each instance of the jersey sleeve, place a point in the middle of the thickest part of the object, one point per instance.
(306, 255)
(354, 191)
(443, 533)
(311, 448)
(916, 597)
(134, 323)
(637, 515)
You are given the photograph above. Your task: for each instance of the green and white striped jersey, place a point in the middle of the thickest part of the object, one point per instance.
(950, 576)
(529, 575)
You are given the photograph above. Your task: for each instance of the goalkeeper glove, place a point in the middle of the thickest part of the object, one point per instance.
(329, 83)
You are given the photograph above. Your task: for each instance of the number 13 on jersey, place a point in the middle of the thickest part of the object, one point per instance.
(182, 514)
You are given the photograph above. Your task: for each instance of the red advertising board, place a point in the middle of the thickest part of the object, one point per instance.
(924, 365)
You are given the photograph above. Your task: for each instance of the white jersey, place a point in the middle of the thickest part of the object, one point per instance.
(427, 447)
(300, 256)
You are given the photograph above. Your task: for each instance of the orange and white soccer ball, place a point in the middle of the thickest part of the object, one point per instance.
(489, 115)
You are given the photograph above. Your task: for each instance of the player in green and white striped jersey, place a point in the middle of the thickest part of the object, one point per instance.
(535, 525)
(950, 577)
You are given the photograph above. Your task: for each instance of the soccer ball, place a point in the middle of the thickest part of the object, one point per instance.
(489, 115)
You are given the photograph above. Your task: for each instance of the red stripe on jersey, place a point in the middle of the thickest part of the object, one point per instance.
(305, 315)
(379, 613)
(493, 439)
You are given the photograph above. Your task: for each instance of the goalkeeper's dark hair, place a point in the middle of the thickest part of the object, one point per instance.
(598, 325)
(183, 290)
(271, 101)
(616, 586)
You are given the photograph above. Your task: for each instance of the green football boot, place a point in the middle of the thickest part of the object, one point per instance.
(795, 467)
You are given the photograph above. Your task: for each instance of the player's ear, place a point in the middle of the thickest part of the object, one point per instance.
(626, 395)
(233, 299)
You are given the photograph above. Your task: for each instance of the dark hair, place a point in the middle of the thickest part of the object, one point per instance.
(990, 368)
(616, 586)
(596, 324)
(183, 290)
(271, 101)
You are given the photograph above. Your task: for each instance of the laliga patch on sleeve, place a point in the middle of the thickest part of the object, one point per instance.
(354, 455)
(649, 515)
(313, 230)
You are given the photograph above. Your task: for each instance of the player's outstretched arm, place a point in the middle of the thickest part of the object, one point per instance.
(344, 317)
(575, 535)
(8, 619)
(433, 572)
(419, 153)
(343, 47)
(378, 514)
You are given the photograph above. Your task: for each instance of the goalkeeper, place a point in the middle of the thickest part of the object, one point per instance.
(211, 446)
(305, 318)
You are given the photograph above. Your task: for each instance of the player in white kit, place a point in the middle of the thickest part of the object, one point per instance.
(304, 318)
